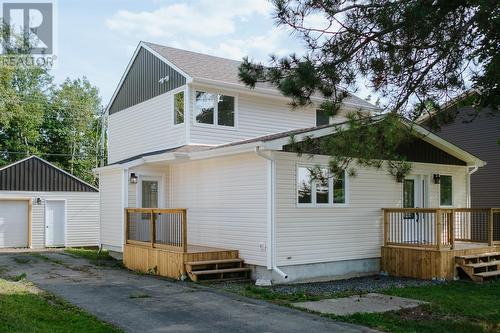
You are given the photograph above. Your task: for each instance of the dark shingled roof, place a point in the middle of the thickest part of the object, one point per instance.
(203, 66)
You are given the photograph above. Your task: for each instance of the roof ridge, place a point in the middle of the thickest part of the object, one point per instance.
(194, 52)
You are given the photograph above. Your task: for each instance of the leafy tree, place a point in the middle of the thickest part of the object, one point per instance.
(71, 127)
(414, 54)
(59, 123)
(24, 99)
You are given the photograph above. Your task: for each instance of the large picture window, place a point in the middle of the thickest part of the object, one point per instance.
(319, 187)
(214, 109)
(446, 191)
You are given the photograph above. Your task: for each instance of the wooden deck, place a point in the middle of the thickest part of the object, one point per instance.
(424, 243)
(170, 263)
(156, 243)
(428, 264)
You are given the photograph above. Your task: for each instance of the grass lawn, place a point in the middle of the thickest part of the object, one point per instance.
(455, 307)
(98, 258)
(458, 307)
(24, 308)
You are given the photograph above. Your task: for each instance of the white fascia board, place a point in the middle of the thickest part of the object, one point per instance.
(158, 158)
(224, 151)
(107, 168)
(258, 91)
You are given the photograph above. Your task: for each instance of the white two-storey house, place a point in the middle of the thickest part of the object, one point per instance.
(208, 160)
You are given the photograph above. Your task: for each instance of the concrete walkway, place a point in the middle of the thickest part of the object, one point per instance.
(369, 303)
(140, 303)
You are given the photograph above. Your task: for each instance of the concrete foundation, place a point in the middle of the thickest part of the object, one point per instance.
(335, 270)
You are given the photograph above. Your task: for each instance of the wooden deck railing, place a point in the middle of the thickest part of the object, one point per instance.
(154, 227)
(439, 228)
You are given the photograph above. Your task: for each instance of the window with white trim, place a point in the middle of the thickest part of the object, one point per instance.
(319, 188)
(446, 190)
(214, 109)
(179, 108)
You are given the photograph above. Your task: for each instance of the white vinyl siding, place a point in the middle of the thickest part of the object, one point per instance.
(160, 173)
(111, 190)
(82, 216)
(145, 127)
(331, 233)
(226, 202)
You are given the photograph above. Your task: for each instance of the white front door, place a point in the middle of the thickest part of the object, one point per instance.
(415, 228)
(55, 220)
(415, 192)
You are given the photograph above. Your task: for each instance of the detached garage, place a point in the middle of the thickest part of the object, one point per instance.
(42, 205)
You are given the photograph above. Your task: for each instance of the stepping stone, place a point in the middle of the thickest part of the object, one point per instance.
(369, 303)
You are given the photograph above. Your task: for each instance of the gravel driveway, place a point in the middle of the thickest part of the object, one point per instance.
(140, 303)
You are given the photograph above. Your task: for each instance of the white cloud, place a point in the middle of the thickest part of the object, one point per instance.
(226, 28)
(201, 18)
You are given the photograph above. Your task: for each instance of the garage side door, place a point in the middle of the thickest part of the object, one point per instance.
(13, 223)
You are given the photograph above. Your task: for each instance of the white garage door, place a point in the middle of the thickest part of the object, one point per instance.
(13, 223)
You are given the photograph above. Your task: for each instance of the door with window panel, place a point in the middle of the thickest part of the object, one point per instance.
(416, 225)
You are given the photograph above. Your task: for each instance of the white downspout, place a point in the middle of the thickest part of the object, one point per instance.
(271, 223)
(469, 195)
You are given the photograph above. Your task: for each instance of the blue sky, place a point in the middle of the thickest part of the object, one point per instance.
(96, 38)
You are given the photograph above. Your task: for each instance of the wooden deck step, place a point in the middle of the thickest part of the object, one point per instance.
(214, 262)
(484, 264)
(479, 255)
(488, 274)
(221, 271)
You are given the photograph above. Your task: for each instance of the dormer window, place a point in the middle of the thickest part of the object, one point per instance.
(214, 109)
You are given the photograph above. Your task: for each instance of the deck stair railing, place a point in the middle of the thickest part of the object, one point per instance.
(157, 228)
(439, 228)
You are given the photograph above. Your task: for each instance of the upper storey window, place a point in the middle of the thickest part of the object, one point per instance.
(214, 109)
(179, 108)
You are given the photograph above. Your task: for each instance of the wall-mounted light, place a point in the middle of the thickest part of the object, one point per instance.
(437, 178)
(38, 201)
(133, 178)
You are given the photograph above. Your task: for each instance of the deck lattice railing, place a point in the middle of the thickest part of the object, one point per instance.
(440, 227)
(157, 228)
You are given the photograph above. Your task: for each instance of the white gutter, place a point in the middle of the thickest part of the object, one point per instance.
(469, 195)
(271, 221)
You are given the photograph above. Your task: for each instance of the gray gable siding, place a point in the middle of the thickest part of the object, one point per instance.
(36, 175)
(416, 150)
(141, 82)
(479, 136)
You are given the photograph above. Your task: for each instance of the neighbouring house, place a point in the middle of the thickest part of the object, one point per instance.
(42, 205)
(201, 180)
(478, 133)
